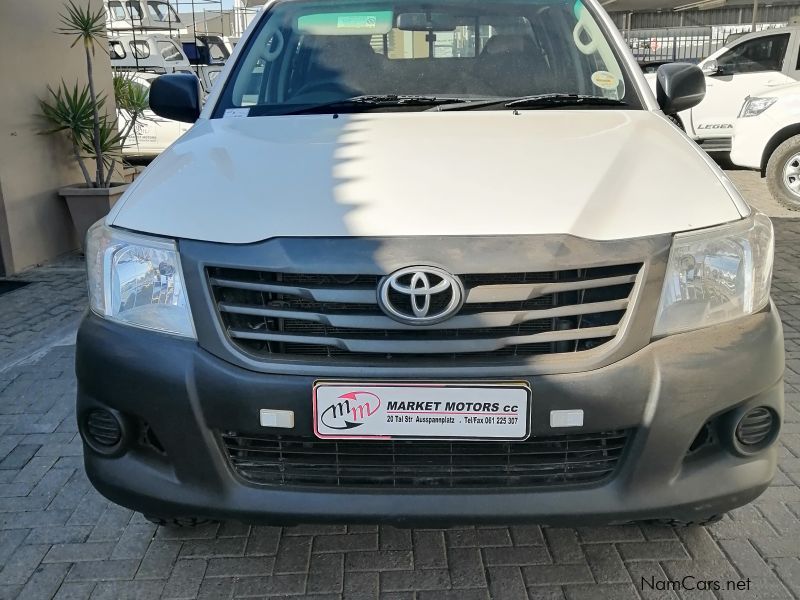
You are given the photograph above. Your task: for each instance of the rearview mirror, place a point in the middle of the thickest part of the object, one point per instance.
(426, 22)
(177, 97)
(711, 68)
(679, 87)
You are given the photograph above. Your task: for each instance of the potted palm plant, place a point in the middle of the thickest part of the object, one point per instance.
(80, 113)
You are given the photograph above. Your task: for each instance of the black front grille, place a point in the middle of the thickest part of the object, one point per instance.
(505, 315)
(579, 459)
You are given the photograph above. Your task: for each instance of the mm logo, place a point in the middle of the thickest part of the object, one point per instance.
(351, 411)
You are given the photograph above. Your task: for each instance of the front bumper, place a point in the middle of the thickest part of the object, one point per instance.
(666, 392)
(750, 138)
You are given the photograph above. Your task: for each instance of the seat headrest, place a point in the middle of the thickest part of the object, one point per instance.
(340, 43)
(508, 44)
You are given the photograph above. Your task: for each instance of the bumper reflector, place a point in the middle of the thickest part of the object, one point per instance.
(277, 418)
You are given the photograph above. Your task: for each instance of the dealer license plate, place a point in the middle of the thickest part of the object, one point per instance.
(344, 410)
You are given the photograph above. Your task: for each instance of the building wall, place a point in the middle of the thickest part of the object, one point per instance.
(211, 22)
(34, 222)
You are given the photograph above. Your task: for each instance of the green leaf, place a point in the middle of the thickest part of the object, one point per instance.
(131, 96)
(83, 24)
(69, 110)
(110, 139)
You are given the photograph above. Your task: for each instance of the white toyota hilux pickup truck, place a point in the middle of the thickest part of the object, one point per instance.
(763, 59)
(431, 262)
(766, 138)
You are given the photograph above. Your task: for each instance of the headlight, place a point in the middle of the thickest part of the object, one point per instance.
(755, 106)
(137, 280)
(716, 274)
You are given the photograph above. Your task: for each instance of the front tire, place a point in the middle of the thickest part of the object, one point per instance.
(698, 522)
(177, 523)
(783, 174)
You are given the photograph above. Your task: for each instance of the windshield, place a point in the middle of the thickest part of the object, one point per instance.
(310, 53)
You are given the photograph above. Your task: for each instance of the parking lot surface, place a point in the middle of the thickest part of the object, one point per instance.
(59, 538)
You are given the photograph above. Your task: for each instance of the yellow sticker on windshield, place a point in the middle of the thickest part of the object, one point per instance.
(605, 80)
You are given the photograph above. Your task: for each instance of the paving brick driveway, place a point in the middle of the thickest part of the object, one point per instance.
(59, 538)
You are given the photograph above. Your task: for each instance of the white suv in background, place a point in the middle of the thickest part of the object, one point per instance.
(754, 61)
(152, 134)
(767, 138)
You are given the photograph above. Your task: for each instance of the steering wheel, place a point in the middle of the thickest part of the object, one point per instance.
(334, 88)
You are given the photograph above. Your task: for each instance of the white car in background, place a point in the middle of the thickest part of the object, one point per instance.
(150, 52)
(752, 62)
(152, 134)
(767, 138)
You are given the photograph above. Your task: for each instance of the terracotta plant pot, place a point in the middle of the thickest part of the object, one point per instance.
(89, 205)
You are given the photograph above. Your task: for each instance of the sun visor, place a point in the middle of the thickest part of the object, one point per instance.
(346, 23)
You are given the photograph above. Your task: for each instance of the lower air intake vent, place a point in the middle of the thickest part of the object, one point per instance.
(537, 462)
(102, 428)
(756, 427)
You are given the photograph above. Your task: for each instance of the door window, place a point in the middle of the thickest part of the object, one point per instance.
(161, 11)
(756, 55)
(140, 49)
(136, 10)
(218, 52)
(169, 51)
(117, 11)
(116, 50)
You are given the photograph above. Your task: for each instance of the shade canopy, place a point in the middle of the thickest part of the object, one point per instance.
(638, 5)
(651, 5)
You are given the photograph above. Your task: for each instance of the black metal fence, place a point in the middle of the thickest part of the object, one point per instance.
(694, 34)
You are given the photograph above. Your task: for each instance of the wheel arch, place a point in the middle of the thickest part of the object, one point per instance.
(776, 140)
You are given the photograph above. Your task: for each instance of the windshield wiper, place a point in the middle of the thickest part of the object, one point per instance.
(563, 100)
(540, 101)
(369, 102)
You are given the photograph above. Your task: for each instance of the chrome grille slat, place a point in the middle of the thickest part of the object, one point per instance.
(479, 320)
(506, 316)
(529, 291)
(431, 346)
(355, 296)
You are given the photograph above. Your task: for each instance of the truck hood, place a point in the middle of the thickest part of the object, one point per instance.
(601, 174)
(778, 91)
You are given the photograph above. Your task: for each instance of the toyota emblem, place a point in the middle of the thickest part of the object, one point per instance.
(420, 295)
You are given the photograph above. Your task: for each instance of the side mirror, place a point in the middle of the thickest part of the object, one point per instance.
(176, 97)
(711, 68)
(679, 86)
